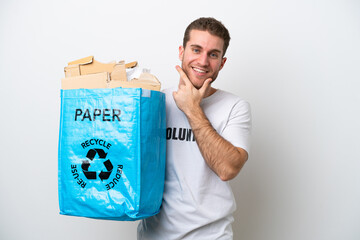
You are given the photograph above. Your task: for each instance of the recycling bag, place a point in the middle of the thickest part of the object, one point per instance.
(111, 153)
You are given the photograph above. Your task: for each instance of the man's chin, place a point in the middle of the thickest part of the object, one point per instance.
(196, 81)
(197, 85)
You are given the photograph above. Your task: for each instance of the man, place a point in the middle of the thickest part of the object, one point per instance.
(207, 143)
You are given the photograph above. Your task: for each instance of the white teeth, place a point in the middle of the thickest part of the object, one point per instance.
(199, 70)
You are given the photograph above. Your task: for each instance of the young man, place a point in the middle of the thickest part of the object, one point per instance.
(207, 143)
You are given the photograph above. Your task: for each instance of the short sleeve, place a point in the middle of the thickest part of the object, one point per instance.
(238, 128)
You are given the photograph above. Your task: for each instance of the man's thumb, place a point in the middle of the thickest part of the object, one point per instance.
(205, 86)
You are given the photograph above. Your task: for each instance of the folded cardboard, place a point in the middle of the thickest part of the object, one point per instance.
(89, 73)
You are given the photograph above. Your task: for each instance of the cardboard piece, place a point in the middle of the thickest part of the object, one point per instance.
(89, 73)
(97, 80)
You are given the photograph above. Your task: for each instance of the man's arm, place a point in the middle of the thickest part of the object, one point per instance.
(220, 155)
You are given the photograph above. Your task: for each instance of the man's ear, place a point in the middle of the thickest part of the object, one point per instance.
(223, 62)
(181, 52)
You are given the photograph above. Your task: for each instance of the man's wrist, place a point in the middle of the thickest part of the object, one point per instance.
(197, 118)
(193, 111)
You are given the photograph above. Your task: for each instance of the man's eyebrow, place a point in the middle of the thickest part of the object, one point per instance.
(198, 46)
(216, 50)
(195, 45)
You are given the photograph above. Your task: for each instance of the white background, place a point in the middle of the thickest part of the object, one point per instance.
(296, 62)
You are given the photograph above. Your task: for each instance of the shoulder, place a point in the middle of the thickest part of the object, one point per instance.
(233, 106)
(229, 95)
(224, 97)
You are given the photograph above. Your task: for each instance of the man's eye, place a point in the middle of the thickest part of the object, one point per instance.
(214, 55)
(196, 50)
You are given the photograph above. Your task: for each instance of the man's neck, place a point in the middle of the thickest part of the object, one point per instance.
(210, 92)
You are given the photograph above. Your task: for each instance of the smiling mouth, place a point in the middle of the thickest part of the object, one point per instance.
(199, 70)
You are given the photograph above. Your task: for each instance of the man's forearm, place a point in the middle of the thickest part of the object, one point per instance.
(220, 155)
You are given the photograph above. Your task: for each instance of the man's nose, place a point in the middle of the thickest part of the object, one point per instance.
(203, 59)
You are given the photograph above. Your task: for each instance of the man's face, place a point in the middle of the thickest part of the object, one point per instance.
(202, 57)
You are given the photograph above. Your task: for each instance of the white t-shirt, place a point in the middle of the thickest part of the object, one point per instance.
(197, 204)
